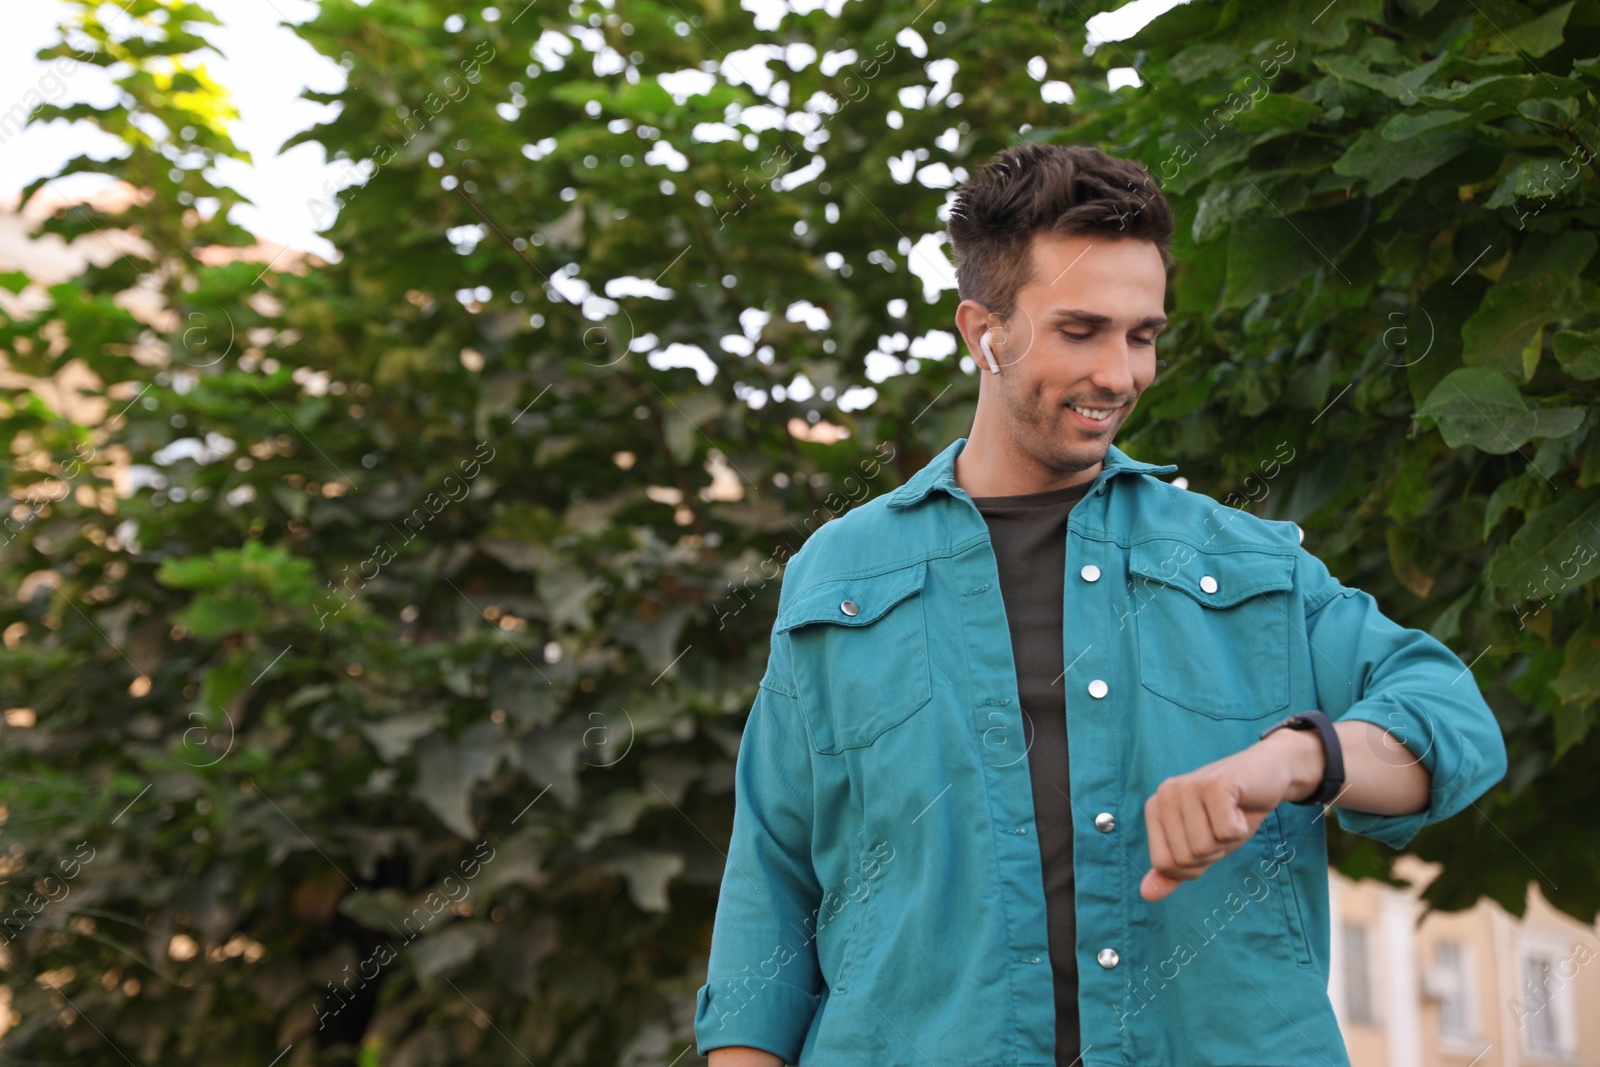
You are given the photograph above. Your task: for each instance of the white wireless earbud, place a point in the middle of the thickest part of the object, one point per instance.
(988, 353)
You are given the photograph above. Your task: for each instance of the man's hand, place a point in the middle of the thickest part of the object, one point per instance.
(1195, 819)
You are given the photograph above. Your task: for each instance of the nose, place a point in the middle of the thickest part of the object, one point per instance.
(1113, 371)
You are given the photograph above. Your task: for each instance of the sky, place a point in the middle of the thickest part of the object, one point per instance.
(263, 63)
(266, 67)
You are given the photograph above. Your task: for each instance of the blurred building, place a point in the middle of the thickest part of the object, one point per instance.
(1478, 988)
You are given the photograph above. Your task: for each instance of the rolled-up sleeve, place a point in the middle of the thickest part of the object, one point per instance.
(1368, 668)
(762, 981)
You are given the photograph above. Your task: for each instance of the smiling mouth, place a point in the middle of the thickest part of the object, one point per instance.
(1094, 414)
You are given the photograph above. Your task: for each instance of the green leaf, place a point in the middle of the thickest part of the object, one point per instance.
(1351, 69)
(1374, 158)
(1551, 111)
(1556, 550)
(1224, 203)
(1577, 687)
(1509, 320)
(1580, 683)
(447, 771)
(1448, 624)
(1572, 719)
(648, 873)
(449, 948)
(1578, 352)
(1589, 469)
(1535, 37)
(1560, 255)
(380, 909)
(1405, 552)
(1531, 352)
(1513, 492)
(216, 614)
(395, 735)
(1405, 125)
(1501, 89)
(1268, 253)
(1411, 488)
(1536, 179)
(1278, 111)
(1534, 288)
(1199, 61)
(1482, 408)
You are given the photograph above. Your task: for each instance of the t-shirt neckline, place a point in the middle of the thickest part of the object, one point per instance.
(1049, 498)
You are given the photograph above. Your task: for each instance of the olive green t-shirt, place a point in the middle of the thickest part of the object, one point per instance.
(1029, 536)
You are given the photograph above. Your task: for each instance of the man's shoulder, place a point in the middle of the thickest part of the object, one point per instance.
(1171, 522)
(867, 539)
(1160, 510)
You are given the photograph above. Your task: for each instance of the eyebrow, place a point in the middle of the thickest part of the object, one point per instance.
(1094, 318)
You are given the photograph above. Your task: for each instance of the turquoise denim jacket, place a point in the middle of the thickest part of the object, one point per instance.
(883, 901)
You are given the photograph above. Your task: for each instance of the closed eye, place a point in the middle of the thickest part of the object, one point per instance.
(1143, 342)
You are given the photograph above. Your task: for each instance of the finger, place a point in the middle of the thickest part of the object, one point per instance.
(1202, 842)
(1168, 813)
(1228, 823)
(1188, 831)
(1253, 821)
(1156, 885)
(1160, 855)
(1186, 863)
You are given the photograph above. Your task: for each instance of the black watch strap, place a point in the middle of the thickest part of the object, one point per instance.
(1333, 767)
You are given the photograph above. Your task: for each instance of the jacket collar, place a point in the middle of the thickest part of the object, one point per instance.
(940, 473)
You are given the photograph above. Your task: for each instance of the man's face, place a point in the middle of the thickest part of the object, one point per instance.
(1079, 348)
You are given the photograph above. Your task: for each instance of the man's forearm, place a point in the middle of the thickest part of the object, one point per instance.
(740, 1056)
(1381, 775)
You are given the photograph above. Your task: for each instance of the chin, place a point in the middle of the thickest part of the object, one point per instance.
(1077, 457)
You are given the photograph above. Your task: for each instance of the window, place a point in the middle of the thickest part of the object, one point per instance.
(1359, 1003)
(1453, 987)
(1542, 1006)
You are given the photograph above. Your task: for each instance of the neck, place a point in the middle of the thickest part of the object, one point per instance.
(991, 464)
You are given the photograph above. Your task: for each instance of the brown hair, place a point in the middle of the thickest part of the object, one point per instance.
(1072, 190)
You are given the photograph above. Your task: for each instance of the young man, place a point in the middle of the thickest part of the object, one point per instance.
(1012, 707)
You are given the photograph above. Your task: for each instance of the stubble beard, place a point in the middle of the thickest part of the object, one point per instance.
(1043, 429)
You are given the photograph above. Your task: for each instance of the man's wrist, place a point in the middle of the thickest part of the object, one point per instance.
(1302, 753)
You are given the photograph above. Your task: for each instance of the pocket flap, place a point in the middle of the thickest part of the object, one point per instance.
(1217, 579)
(871, 596)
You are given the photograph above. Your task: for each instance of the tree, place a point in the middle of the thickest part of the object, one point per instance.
(395, 710)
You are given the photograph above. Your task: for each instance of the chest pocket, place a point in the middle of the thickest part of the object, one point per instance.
(860, 655)
(1213, 627)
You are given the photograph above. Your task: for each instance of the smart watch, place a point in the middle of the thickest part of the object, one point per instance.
(1333, 766)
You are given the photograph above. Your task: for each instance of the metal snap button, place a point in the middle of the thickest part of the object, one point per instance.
(1108, 958)
(1090, 572)
(1208, 584)
(849, 607)
(1105, 822)
(1098, 689)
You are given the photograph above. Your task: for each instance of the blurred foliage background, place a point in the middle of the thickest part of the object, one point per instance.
(388, 714)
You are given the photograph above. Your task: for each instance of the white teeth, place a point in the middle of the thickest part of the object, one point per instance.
(1092, 413)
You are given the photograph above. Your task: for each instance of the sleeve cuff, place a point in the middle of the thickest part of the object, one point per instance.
(755, 1012)
(1444, 790)
(1396, 831)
